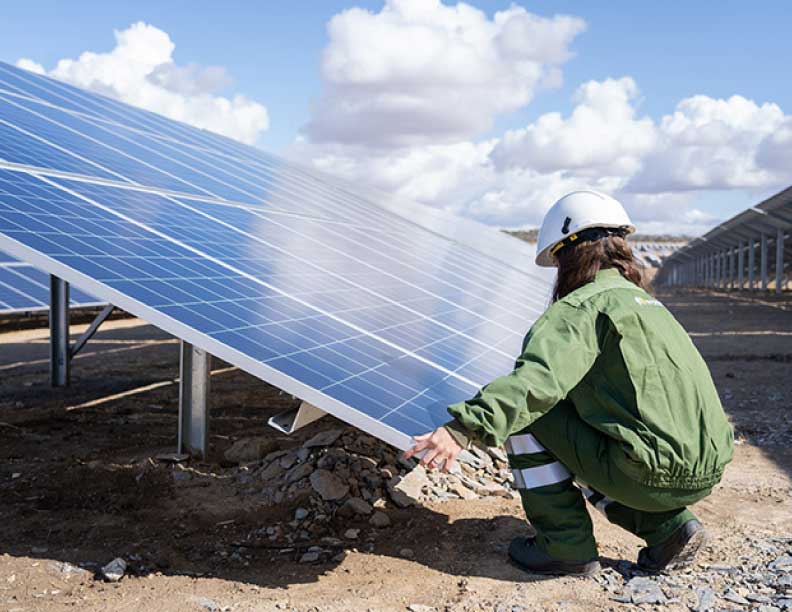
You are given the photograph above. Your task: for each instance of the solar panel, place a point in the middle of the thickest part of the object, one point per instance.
(24, 289)
(304, 281)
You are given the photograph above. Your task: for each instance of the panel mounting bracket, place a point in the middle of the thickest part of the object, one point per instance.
(290, 421)
(92, 329)
(61, 353)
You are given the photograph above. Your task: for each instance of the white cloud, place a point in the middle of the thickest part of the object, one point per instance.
(709, 143)
(429, 173)
(28, 64)
(602, 135)
(421, 72)
(140, 70)
(668, 213)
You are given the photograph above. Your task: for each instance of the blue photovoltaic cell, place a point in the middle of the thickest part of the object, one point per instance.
(305, 283)
(24, 288)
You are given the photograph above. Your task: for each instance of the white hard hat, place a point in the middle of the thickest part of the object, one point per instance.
(574, 213)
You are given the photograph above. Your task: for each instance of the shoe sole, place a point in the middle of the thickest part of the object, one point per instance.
(689, 545)
(686, 556)
(582, 571)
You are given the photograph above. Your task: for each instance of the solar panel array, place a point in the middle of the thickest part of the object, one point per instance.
(25, 289)
(295, 277)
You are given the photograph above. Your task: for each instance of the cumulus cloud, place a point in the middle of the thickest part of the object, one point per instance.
(421, 72)
(655, 167)
(709, 143)
(602, 135)
(140, 70)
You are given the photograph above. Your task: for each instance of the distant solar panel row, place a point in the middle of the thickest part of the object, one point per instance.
(262, 263)
(23, 288)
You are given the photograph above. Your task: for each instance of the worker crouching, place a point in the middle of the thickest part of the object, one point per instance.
(609, 402)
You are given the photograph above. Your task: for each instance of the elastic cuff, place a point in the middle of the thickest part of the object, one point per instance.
(461, 435)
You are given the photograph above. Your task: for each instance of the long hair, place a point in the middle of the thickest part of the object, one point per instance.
(579, 263)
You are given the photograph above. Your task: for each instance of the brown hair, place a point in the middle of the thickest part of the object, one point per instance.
(579, 263)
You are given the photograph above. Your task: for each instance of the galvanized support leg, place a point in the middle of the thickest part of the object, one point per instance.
(59, 332)
(710, 271)
(193, 400)
(723, 270)
(763, 260)
(751, 263)
(740, 266)
(779, 271)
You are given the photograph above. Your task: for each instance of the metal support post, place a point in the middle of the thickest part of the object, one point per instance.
(740, 266)
(59, 332)
(763, 260)
(779, 272)
(193, 400)
(731, 268)
(723, 270)
(751, 263)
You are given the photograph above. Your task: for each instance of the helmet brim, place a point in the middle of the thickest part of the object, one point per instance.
(545, 260)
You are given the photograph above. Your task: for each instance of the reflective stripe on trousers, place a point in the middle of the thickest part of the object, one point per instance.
(598, 500)
(550, 473)
(534, 477)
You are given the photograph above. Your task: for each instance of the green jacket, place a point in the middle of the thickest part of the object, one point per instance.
(632, 372)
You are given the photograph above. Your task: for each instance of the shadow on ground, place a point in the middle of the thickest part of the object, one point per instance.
(79, 482)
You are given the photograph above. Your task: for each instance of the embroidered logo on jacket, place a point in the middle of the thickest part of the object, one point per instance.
(641, 301)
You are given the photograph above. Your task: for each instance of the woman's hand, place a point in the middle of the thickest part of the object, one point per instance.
(440, 449)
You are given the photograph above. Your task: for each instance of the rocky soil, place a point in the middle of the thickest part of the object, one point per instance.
(98, 513)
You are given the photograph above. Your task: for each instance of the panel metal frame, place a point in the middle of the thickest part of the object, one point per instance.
(220, 350)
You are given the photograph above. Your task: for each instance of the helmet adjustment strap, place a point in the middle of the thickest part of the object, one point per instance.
(589, 235)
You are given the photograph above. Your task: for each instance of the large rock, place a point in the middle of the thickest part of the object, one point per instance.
(491, 489)
(328, 485)
(271, 472)
(462, 490)
(250, 449)
(324, 438)
(706, 599)
(114, 571)
(498, 454)
(784, 562)
(355, 505)
(298, 472)
(644, 590)
(406, 490)
(380, 520)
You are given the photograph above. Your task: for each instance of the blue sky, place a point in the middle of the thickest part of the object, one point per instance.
(272, 51)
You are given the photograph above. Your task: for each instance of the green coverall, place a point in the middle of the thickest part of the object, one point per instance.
(609, 391)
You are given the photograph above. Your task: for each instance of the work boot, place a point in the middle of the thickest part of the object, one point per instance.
(528, 556)
(679, 550)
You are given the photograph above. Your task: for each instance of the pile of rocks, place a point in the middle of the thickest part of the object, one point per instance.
(342, 483)
(338, 465)
(762, 580)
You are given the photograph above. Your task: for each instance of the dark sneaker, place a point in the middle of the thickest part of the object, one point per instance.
(528, 556)
(679, 550)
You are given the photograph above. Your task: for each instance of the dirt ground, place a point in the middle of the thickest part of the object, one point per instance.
(80, 485)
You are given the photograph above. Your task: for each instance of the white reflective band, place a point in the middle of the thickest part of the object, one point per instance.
(540, 476)
(524, 444)
(602, 504)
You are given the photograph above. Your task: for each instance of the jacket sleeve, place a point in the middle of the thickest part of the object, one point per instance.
(557, 353)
